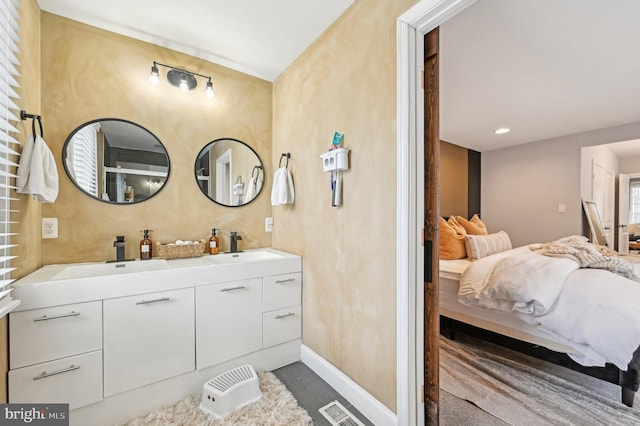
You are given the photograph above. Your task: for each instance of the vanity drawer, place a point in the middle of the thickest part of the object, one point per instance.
(280, 291)
(281, 326)
(46, 334)
(75, 380)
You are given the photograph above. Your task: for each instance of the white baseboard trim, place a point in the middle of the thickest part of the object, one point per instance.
(375, 411)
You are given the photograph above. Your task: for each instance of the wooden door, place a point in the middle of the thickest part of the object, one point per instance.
(431, 233)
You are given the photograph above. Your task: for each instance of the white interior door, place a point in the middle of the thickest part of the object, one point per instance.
(610, 206)
(623, 213)
(223, 178)
(603, 193)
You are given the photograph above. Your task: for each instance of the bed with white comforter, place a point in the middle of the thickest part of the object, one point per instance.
(584, 300)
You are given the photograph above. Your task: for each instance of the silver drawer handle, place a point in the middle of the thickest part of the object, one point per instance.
(240, 287)
(145, 302)
(285, 281)
(290, 314)
(44, 374)
(50, 317)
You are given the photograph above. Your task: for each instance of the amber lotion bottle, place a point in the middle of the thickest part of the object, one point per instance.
(214, 245)
(146, 247)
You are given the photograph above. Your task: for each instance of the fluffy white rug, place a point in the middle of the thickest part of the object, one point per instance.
(276, 407)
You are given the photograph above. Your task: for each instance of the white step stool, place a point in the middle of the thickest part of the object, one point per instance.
(229, 391)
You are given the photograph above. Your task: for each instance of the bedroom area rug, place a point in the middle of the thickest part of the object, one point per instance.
(522, 390)
(276, 407)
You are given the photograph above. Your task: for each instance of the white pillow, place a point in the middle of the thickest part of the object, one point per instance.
(479, 246)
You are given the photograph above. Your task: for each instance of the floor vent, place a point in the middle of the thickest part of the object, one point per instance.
(339, 416)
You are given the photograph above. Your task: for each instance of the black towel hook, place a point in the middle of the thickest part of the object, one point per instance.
(254, 169)
(25, 115)
(286, 154)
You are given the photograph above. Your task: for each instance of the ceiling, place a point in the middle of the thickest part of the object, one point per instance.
(257, 37)
(543, 68)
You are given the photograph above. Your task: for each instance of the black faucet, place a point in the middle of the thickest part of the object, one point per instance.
(234, 242)
(119, 245)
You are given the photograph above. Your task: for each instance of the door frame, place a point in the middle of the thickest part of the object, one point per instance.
(411, 28)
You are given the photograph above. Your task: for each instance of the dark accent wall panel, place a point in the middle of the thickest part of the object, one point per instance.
(474, 182)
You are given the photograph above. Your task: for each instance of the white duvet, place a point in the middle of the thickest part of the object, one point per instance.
(594, 311)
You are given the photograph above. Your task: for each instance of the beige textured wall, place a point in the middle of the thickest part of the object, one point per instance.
(346, 81)
(454, 180)
(89, 73)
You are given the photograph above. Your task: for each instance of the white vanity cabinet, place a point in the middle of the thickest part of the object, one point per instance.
(281, 318)
(56, 354)
(112, 342)
(228, 321)
(147, 338)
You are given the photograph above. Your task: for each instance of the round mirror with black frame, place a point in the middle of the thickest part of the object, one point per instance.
(116, 161)
(229, 172)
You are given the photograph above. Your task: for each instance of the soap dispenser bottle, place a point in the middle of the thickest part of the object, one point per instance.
(146, 247)
(214, 243)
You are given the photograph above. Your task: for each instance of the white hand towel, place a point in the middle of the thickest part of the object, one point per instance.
(37, 171)
(291, 193)
(255, 185)
(251, 190)
(282, 191)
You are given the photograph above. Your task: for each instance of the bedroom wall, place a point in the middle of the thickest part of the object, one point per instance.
(523, 185)
(454, 175)
(630, 164)
(345, 81)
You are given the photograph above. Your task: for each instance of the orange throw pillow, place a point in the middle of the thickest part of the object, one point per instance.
(451, 243)
(473, 226)
(456, 226)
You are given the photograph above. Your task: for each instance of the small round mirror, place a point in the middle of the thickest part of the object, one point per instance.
(229, 172)
(115, 161)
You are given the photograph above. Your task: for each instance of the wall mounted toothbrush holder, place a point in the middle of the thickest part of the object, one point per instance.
(335, 160)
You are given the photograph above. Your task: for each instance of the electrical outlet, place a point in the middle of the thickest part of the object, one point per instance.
(49, 227)
(268, 224)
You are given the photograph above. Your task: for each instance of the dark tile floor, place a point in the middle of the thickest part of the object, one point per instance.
(313, 393)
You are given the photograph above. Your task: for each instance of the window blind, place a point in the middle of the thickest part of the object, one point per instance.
(9, 111)
(83, 158)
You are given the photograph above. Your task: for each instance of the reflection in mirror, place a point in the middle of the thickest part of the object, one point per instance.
(229, 172)
(595, 224)
(115, 161)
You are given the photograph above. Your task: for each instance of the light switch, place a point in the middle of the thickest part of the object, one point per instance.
(562, 208)
(268, 224)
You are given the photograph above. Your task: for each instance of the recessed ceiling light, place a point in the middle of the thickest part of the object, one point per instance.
(502, 130)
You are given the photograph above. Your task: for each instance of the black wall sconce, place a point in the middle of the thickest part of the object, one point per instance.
(181, 78)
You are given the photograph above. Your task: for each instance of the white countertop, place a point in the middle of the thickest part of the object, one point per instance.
(62, 284)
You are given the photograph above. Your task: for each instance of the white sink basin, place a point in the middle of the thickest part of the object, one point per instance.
(243, 257)
(115, 268)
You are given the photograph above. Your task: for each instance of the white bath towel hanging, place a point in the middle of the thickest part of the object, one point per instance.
(282, 191)
(255, 184)
(37, 172)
